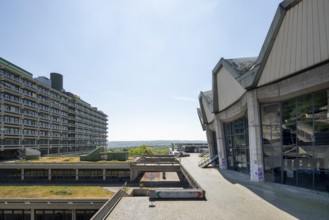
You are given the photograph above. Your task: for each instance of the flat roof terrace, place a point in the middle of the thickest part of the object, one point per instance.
(72, 169)
(160, 163)
(228, 198)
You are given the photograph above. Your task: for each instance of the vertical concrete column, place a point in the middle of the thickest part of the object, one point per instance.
(220, 138)
(255, 143)
(22, 174)
(104, 174)
(327, 103)
(49, 174)
(209, 140)
(77, 174)
(74, 213)
(48, 150)
(133, 174)
(32, 214)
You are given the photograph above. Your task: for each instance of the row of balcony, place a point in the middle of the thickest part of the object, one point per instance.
(45, 109)
(22, 82)
(51, 146)
(32, 114)
(33, 105)
(19, 132)
(42, 125)
(33, 96)
(26, 87)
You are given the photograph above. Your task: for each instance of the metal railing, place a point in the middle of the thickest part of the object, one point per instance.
(106, 209)
(205, 162)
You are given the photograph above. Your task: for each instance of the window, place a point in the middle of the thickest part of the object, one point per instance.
(237, 145)
(296, 141)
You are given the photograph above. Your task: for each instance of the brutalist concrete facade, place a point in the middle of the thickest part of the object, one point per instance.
(271, 117)
(35, 115)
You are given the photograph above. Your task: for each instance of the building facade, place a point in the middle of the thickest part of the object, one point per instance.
(271, 112)
(39, 114)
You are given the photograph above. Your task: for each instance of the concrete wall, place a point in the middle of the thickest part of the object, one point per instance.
(228, 89)
(95, 155)
(117, 156)
(207, 111)
(309, 81)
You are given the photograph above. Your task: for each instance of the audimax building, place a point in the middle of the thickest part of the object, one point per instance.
(268, 116)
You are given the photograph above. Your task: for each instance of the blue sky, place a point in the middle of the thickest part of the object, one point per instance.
(142, 62)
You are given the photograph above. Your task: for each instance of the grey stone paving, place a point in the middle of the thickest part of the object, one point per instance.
(225, 200)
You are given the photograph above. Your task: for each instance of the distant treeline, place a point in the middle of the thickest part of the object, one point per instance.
(143, 150)
(120, 144)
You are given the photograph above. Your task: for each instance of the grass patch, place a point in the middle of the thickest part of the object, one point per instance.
(69, 160)
(53, 160)
(62, 192)
(55, 192)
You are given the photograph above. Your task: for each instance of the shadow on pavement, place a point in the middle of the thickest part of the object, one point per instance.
(298, 202)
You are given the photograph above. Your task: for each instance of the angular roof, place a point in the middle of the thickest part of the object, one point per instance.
(250, 79)
(242, 65)
(247, 71)
(235, 67)
(207, 96)
(201, 119)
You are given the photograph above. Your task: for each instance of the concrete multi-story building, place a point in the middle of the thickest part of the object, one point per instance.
(268, 116)
(38, 113)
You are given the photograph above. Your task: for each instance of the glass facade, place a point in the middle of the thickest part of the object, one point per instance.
(271, 142)
(63, 174)
(237, 145)
(296, 141)
(9, 174)
(36, 174)
(120, 175)
(90, 174)
(85, 214)
(53, 214)
(14, 214)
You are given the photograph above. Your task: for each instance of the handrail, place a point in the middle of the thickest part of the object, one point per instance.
(204, 154)
(190, 179)
(60, 165)
(207, 160)
(106, 209)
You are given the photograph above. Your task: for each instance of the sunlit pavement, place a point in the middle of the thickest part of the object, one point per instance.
(226, 200)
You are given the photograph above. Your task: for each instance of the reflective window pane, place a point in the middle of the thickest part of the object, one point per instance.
(297, 139)
(271, 142)
(236, 144)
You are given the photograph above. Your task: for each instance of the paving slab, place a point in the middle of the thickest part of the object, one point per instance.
(224, 200)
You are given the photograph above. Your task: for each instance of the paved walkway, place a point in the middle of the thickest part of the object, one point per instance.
(225, 200)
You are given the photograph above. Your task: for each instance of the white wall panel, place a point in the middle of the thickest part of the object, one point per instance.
(299, 32)
(302, 41)
(209, 114)
(229, 90)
